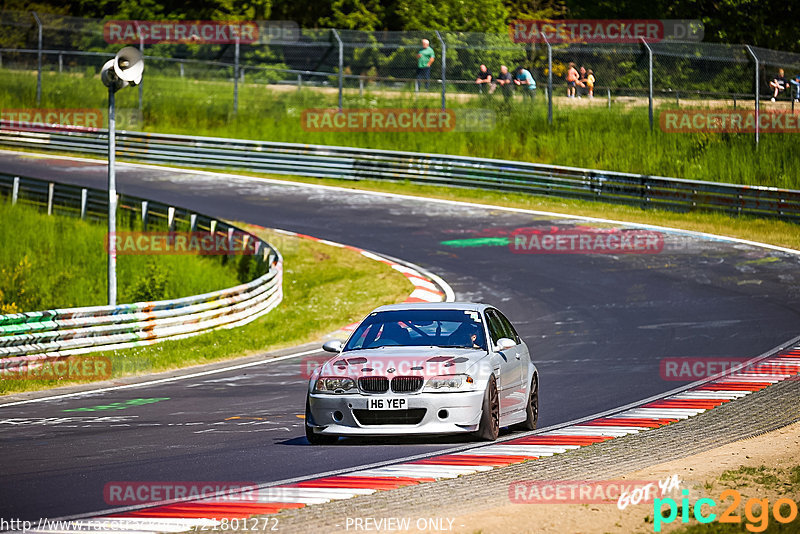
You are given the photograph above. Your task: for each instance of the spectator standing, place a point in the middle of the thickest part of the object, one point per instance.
(590, 79)
(778, 84)
(484, 79)
(582, 81)
(425, 59)
(572, 80)
(526, 82)
(505, 81)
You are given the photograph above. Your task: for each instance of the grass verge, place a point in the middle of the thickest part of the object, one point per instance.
(616, 138)
(55, 261)
(325, 288)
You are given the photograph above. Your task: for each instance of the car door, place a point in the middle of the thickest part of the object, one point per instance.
(521, 353)
(508, 379)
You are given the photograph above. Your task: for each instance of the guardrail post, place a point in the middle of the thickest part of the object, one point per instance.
(15, 191)
(236, 77)
(50, 188)
(230, 241)
(212, 225)
(39, 61)
(192, 222)
(170, 217)
(649, 81)
(144, 214)
(84, 198)
(757, 91)
(341, 66)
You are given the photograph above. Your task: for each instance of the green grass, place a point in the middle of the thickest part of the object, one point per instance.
(60, 262)
(325, 288)
(763, 482)
(585, 136)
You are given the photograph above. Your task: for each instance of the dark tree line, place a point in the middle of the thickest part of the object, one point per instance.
(766, 23)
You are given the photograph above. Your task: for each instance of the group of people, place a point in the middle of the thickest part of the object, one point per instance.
(579, 79)
(506, 81)
(779, 84)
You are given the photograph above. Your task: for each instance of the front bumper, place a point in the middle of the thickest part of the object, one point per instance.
(334, 414)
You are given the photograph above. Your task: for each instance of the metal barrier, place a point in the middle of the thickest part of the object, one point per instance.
(64, 332)
(369, 164)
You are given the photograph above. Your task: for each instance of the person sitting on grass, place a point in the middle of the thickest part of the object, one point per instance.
(778, 84)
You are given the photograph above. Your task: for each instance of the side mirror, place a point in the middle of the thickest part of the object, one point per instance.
(333, 346)
(505, 343)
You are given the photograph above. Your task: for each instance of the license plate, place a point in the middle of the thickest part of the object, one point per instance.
(386, 404)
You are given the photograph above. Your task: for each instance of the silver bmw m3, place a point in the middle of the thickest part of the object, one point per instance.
(426, 368)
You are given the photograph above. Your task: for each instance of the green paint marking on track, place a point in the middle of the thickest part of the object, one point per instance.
(117, 405)
(760, 261)
(477, 242)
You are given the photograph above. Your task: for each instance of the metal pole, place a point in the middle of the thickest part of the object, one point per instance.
(112, 203)
(444, 67)
(649, 82)
(141, 49)
(341, 65)
(236, 77)
(549, 82)
(757, 91)
(39, 66)
(60, 63)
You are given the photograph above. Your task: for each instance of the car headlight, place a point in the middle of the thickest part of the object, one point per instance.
(448, 382)
(334, 385)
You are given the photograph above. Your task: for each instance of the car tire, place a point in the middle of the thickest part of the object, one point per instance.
(532, 408)
(314, 438)
(489, 427)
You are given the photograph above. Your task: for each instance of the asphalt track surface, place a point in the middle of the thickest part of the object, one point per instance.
(598, 326)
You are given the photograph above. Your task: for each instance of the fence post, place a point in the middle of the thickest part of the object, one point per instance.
(15, 191)
(649, 82)
(192, 222)
(236, 77)
(299, 81)
(144, 215)
(180, 64)
(60, 62)
(360, 86)
(141, 49)
(608, 92)
(341, 65)
(50, 191)
(444, 67)
(757, 90)
(170, 218)
(39, 61)
(84, 198)
(549, 80)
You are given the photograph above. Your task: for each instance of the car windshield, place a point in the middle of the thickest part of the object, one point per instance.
(419, 328)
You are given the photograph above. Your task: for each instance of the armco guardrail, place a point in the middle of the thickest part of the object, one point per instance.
(65, 332)
(359, 163)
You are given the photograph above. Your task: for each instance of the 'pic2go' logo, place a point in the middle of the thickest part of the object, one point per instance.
(756, 511)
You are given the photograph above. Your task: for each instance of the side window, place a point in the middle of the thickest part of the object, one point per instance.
(495, 326)
(508, 327)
